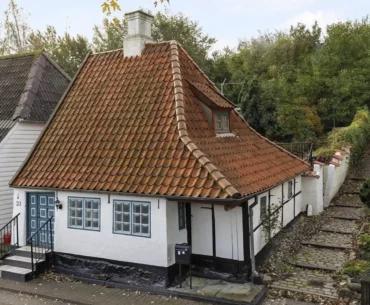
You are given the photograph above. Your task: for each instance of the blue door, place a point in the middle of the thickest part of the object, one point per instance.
(40, 207)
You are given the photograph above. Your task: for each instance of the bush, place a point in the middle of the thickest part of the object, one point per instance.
(365, 193)
(356, 267)
(356, 136)
(364, 242)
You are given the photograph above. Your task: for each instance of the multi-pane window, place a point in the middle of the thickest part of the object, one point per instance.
(84, 213)
(122, 217)
(263, 207)
(222, 122)
(131, 217)
(290, 189)
(182, 215)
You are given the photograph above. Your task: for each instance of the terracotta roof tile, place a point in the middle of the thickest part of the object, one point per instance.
(136, 125)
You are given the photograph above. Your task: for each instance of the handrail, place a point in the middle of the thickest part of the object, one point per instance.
(41, 242)
(9, 240)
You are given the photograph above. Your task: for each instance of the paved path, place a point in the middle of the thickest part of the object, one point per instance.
(324, 254)
(73, 292)
(12, 298)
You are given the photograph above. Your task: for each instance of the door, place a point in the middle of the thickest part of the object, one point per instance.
(202, 229)
(40, 207)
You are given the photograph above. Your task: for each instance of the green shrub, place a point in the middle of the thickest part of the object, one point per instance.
(356, 267)
(356, 136)
(365, 193)
(364, 242)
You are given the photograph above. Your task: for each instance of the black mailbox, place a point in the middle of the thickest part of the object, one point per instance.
(183, 254)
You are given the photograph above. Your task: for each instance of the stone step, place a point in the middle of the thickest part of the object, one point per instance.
(347, 213)
(20, 261)
(26, 252)
(320, 259)
(308, 283)
(15, 273)
(343, 226)
(330, 240)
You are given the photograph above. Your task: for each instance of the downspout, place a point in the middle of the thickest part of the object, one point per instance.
(254, 273)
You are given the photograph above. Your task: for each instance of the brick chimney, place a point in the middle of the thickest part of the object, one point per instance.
(139, 32)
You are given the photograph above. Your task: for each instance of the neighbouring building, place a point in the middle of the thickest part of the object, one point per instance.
(143, 153)
(30, 87)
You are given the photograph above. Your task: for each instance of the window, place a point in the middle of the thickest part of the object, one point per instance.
(263, 207)
(182, 215)
(131, 218)
(222, 122)
(84, 213)
(290, 189)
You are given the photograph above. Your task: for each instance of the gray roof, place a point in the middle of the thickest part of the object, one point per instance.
(30, 87)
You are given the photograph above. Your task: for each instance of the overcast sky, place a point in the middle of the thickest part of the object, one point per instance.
(226, 20)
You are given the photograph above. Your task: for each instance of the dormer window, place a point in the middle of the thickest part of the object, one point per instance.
(222, 124)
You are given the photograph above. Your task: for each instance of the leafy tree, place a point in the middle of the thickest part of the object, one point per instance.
(110, 36)
(66, 50)
(165, 27)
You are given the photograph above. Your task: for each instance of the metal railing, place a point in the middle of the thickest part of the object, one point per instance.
(41, 243)
(9, 237)
(303, 150)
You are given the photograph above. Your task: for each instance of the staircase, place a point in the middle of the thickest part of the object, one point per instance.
(24, 263)
(18, 266)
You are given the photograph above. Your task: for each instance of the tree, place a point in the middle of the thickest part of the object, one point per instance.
(15, 29)
(109, 6)
(66, 50)
(165, 28)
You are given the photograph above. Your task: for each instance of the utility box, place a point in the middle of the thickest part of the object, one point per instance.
(183, 254)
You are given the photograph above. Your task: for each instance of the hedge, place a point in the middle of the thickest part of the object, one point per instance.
(356, 136)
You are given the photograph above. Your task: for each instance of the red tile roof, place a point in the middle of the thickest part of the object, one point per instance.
(135, 125)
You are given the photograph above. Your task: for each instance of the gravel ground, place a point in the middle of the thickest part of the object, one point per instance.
(287, 243)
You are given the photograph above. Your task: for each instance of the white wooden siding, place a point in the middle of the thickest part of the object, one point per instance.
(13, 151)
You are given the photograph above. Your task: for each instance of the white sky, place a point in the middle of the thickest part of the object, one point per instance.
(226, 20)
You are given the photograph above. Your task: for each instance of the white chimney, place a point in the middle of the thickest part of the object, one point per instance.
(139, 32)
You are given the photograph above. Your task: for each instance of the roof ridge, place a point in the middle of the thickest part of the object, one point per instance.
(220, 179)
(205, 75)
(21, 55)
(30, 89)
(56, 65)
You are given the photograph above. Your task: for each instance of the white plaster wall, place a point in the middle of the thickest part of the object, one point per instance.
(334, 177)
(313, 190)
(14, 149)
(288, 214)
(201, 227)
(229, 233)
(103, 243)
(174, 235)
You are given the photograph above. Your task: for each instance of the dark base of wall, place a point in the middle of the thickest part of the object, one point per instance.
(114, 271)
(209, 266)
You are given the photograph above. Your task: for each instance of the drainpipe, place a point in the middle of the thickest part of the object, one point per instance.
(251, 244)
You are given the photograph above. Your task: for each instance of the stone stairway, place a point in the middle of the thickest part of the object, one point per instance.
(18, 266)
(325, 253)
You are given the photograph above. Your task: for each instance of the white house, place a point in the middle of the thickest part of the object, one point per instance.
(143, 153)
(30, 87)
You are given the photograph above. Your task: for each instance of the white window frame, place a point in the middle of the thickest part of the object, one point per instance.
(133, 214)
(89, 213)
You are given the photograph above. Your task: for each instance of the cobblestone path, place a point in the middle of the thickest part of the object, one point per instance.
(319, 259)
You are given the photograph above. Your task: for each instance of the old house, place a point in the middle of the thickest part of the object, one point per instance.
(30, 87)
(143, 153)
